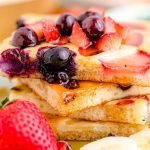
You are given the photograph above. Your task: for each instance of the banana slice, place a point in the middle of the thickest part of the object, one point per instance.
(142, 139)
(112, 143)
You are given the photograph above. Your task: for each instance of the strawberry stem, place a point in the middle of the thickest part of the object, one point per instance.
(3, 102)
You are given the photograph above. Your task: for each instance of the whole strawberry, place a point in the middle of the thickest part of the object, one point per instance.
(23, 127)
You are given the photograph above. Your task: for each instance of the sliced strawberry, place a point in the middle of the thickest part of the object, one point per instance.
(37, 27)
(134, 26)
(122, 30)
(99, 10)
(78, 37)
(89, 51)
(110, 25)
(63, 40)
(109, 41)
(125, 102)
(133, 61)
(50, 31)
(133, 38)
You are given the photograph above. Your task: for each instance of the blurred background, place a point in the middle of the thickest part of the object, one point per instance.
(10, 10)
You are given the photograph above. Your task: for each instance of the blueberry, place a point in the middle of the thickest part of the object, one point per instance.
(93, 26)
(65, 23)
(87, 14)
(56, 57)
(57, 65)
(24, 37)
(63, 77)
(50, 77)
(20, 23)
(14, 61)
(72, 84)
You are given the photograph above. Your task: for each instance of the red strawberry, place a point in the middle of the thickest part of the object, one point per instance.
(23, 127)
(122, 30)
(125, 102)
(50, 31)
(62, 145)
(78, 37)
(37, 27)
(133, 38)
(134, 61)
(109, 41)
(99, 10)
(89, 51)
(63, 40)
(109, 25)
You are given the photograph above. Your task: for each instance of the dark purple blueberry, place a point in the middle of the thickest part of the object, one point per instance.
(72, 84)
(93, 27)
(57, 65)
(50, 77)
(124, 87)
(65, 23)
(63, 77)
(20, 23)
(24, 37)
(87, 14)
(56, 57)
(14, 61)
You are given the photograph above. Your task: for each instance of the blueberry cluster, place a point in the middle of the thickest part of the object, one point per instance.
(91, 23)
(57, 65)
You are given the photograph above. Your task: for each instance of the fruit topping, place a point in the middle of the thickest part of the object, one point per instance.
(63, 40)
(78, 37)
(24, 37)
(65, 23)
(133, 38)
(62, 145)
(139, 63)
(63, 77)
(57, 64)
(109, 25)
(113, 27)
(37, 27)
(124, 87)
(14, 61)
(89, 51)
(56, 57)
(122, 30)
(87, 14)
(93, 26)
(24, 127)
(125, 102)
(50, 31)
(72, 84)
(110, 41)
(20, 23)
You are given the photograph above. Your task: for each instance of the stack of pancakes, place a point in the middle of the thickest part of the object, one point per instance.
(95, 109)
